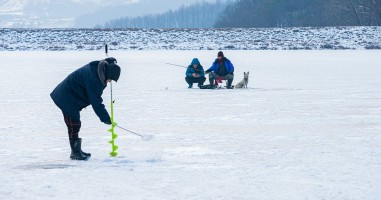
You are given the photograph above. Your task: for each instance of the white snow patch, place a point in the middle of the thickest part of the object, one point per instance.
(326, 38)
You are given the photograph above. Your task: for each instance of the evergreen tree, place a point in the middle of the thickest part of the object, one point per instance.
(288, 13)
(199, 15)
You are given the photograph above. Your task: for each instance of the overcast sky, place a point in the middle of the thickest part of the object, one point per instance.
(18, 6)
(78, 13)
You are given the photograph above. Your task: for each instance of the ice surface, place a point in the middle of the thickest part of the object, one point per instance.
(308, 127)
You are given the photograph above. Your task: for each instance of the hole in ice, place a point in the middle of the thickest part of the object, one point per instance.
(46, 166)
(147, 137)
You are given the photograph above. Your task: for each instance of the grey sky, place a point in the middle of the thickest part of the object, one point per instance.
(78, 13)
(137, 8)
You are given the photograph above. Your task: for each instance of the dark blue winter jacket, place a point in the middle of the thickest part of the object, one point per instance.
(228, 65)
(80, 89)
(191, 70)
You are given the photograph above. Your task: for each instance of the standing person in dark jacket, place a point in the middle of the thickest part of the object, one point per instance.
(80, 89)
(195, 74)
(221, 67)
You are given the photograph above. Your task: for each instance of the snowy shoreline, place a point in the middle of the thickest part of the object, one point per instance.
(326, 38)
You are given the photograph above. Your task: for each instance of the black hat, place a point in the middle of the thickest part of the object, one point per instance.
(220, 54)
(112, 72)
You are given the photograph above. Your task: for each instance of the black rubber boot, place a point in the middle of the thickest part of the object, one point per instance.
(201, 82)
(229, 84)
(211, 82)
(76, 152)
(86, 154)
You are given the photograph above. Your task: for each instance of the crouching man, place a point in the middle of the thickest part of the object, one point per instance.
(195, 74)
(80, 89)
(221, 69)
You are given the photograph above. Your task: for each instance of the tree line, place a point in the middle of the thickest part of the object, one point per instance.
(261, 13)
(291, 13)
(198, 15)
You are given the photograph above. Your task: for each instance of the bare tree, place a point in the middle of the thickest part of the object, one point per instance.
(357, 12)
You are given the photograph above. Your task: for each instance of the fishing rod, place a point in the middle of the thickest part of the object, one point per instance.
(129, 131)
(176, 65)
(182, 66)
(106, 50)
(144, 137)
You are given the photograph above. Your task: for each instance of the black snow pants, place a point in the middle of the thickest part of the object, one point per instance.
(191, 80)
(73, 126)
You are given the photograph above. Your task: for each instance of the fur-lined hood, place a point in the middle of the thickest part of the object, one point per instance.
(102, 70)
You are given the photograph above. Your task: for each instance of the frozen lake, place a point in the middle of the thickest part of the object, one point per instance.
(308, 127)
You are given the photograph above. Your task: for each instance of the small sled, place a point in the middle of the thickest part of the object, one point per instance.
(214, 87)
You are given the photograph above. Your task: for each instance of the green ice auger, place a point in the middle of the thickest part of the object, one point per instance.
(112, 130)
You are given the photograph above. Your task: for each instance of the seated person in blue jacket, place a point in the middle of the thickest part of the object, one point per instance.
(221, 67)
(195, 73)
(80, 89)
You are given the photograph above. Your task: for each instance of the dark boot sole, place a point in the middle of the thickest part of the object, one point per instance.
(84, 159)
(86, 154)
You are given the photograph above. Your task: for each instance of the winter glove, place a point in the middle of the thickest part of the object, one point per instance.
(108, 122)
(111, 123)
(111, 60)
(207, 71)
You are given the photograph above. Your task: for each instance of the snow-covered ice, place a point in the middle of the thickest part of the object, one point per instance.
(308, 127)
